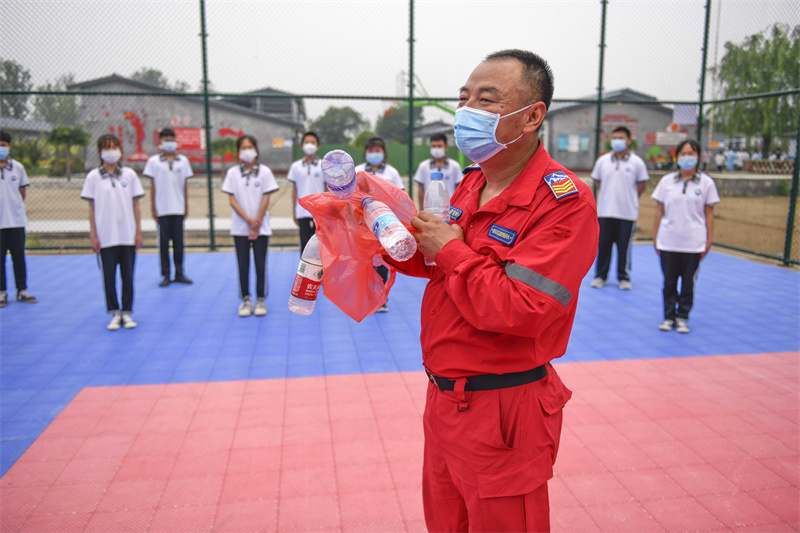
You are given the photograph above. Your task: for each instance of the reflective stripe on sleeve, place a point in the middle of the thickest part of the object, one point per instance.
(538, 282)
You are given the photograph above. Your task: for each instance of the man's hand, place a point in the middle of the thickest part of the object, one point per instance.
(137, 243)
(95, 243)
(155, 214)
(433, 233)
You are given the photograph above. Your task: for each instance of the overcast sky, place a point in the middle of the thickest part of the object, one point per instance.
(360, 47)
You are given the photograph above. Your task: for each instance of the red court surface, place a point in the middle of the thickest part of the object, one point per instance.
(683, 444)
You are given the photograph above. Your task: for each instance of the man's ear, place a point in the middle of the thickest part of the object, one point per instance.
(535, 117)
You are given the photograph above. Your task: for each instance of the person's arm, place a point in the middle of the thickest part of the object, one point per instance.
(238, 208)
(262, 210)
(421, 195)
(186, 199)
(709, 211)
(153, 200)
(23, 192)
(294, 202)
(657, 223)
(640, 187)
(137, 216)
(93, 230)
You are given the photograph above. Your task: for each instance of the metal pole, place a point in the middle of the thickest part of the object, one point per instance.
(209, 168)
(703, 76)
(411, 99)
(600, 88)
(787, 247)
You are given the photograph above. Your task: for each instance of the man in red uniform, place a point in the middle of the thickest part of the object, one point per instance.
(499, 306)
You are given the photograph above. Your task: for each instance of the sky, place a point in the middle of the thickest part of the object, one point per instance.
(345, 47)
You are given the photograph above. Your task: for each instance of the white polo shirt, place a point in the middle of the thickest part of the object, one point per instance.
(385, 171)
(169, 180)
(113, 196)
(308, 179)
(249, 189)
(683, 226)
(618, 197)
(450, 169)
(12, 207)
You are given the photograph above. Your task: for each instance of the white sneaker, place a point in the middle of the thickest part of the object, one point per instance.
(127, 321)
(245, 308)
(625, 285)
(681, 326)
(260, 309)
(26, 297)
(116, 322)
(3, 298)
(666, 325)
(598, 283)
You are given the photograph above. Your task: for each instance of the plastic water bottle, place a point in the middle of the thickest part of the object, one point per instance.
(307, 280)
(437, 201)
(392, 234)
(339, 172)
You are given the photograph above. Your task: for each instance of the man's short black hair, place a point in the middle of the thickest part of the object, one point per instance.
(624, 130)
(535, 72)
(439, 137)
(5, 136)
(373, 142)
(312, 134)
(166, 132)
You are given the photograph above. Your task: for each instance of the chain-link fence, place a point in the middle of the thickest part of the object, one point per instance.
(724, 72)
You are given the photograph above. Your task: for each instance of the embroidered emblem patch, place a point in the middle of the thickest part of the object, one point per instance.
(471, 168)
(455, 213)
(504, 235)
(560, 184)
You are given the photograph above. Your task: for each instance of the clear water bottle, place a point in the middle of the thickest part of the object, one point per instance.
(307, 280)
(339, 172)
(392, 234)
(437, 201)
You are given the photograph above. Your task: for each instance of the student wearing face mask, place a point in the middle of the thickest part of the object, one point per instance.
(683, 231)
(249, 185)
(113, 192)
(13, 184)
(621, 177)
(306, 177)
(439, 162)
(169, 202)
(375, 154)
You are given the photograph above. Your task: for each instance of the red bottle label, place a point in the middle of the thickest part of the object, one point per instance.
(304, 288)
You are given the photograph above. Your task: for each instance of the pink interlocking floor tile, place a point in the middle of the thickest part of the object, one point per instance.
(783, 502)
(594, 489)
(75, 498)
(624, 517)
(63, 523)
(120, 521)
(671, 453)
(55, 449)
(196, 463)
(145, 467)
(681, 514)
(751, 475)
(157, 444)
(257, 437)
(89, 471)
(313, 513)
(246, 460)
(305, 482)
(623, 458)
(700, 479)
(364, 478)
(357, 452)
(184, 519)
(250, 516)
(263, 485)
(652, 484)
(737, 509)
(371, 511)
(786, 467)
(191, 492)
(132, 495)
(572, 520)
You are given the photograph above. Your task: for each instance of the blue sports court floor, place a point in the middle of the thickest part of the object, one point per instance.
(51, 351)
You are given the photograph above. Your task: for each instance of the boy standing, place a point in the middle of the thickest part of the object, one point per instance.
(439, 162)
(306, 177)
(13, 183)
(169, 201)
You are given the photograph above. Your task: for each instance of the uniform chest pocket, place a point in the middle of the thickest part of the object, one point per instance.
(562, 231)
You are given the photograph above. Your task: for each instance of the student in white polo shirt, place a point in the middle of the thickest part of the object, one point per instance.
(113, 192)
(169, 202)
(621, 178)
(306, 177)
(683, 232)
(13, 184)
(439, 162)
(249, 185)
(375, 154)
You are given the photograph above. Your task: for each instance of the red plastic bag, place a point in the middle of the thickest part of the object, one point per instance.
(349, 249)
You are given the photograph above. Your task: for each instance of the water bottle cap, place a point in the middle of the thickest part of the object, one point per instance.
(366, 200)
(437, 176)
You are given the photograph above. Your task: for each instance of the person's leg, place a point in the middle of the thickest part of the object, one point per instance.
(306, 231)
(624, 240)
(260, 247)
(670, 262)
(109, 257)
(689, 268)
(177, 244)
(3, 253)
(242, 245)
(126, 264)
(383, 272)
(164, 233)
(604, 245)
(16, 245)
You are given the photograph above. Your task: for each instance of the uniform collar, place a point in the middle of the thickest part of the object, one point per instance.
(314, 163)
(9, 164)
(695, 177)
(379, 168)
(244, 172)
(623, 158)
(105, 174)
(163, 157)
(434, 165)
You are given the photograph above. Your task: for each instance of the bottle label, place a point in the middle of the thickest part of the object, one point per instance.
(307, 281)
(381, 222)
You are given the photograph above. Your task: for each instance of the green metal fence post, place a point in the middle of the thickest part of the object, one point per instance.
(787, 246)
(411, 99)
(600, 89)
(209, 168)
(703, 76)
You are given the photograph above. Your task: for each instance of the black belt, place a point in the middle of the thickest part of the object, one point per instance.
(491, 381)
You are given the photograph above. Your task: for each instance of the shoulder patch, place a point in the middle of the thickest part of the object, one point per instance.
(560, 184)
(471, 168)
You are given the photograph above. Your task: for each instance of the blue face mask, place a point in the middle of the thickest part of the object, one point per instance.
(476, 130)
(375, 158)
(687, 162)
(618, 145)
(169, 146)
(4, 150)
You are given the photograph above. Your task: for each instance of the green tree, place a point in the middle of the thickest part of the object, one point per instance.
(339, 125)
(361, 139)
(225, 145)
(764, 62)
(156, 77)
(393, 125)
(67, 138)
(14, 77)
(58, 110)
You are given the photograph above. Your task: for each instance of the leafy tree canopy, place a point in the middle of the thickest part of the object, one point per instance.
(14, 77)
(339, 125)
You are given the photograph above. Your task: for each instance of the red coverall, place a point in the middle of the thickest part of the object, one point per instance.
(502, 301)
